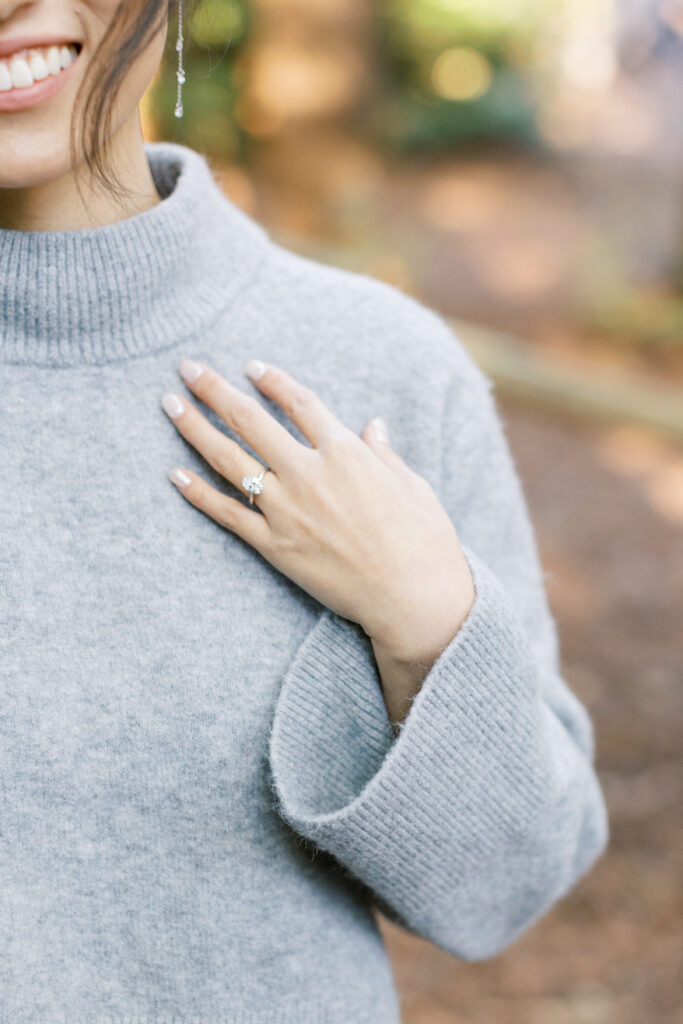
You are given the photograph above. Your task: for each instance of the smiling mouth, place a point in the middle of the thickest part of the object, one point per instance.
(26, 67)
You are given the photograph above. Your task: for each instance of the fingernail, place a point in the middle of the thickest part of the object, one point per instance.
(189, 370)
(381, 429)
(179, 478)
(255, 369)
(172, 404)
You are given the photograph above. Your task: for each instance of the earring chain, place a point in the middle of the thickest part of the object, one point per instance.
(180, 74)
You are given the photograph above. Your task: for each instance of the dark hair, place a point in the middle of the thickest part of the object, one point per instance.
(133, 27)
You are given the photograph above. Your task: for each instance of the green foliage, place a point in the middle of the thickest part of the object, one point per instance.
(214, 22)
(436, 24)
(413, 33)
(411, 121)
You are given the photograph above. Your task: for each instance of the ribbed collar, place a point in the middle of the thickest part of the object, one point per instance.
(99, 295)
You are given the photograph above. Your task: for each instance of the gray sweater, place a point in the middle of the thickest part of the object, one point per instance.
(202, 800)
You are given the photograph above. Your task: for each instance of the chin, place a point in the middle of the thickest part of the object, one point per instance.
(29, 162)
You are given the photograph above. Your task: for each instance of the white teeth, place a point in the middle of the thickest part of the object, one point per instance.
(21, 73)
(54, 63)
(24, 68)
(39, 68)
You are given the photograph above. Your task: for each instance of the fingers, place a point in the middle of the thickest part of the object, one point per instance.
(250, 525)
(243, 414)
(222, 453)
(300, 403)
(376, 436)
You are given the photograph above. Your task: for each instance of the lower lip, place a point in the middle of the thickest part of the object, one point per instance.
(22, 99)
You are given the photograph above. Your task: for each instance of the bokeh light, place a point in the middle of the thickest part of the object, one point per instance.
(460, 73)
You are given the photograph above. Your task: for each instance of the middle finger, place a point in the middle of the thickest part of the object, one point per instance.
(243, 414)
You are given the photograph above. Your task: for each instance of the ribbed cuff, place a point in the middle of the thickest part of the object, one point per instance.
(479, 757)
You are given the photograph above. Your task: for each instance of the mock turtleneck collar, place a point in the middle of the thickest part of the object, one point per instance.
(98, 295)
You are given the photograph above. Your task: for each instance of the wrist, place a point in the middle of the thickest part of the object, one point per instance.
(423, 634)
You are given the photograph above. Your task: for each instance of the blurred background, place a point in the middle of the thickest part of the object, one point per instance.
(518, 166)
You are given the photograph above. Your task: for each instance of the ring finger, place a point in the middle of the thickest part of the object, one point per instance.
(221, 452)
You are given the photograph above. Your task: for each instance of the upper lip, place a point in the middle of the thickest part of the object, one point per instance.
(9, 46)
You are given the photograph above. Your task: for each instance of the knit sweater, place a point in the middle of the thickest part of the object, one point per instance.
(202, 800)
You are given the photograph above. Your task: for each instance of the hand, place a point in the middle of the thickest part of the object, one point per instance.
(346, 519)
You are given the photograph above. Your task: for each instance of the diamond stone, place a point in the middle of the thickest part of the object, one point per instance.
(252, 484)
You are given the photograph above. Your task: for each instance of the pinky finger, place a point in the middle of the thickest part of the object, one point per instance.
(228, 512)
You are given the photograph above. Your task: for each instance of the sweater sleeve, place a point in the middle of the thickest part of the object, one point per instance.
(485, 809)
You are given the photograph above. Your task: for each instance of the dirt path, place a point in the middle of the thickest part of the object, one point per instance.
(607, 504)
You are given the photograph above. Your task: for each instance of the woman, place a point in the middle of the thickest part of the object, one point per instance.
(238, 715)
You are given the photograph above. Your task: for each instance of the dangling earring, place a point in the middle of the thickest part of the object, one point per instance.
(180, 74)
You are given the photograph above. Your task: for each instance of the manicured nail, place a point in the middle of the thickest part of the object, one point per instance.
(189, 370)
(172, 404)
(255, 369)
(381, 429)
(179, 478)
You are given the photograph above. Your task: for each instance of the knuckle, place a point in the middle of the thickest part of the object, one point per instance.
(299, 399)
(286, 543)
(337, 444)
(243, 414)
(224, 460)
(228, 512)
